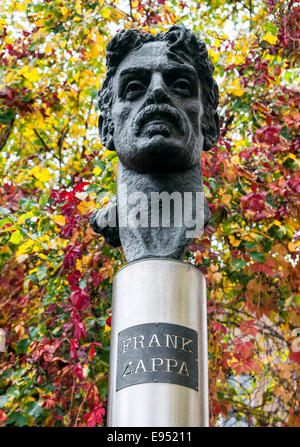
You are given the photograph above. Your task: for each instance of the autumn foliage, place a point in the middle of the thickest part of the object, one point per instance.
(56, 274)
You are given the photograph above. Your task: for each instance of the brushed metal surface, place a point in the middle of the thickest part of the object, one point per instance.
(159, 290)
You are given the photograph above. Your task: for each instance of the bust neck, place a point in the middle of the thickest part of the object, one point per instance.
(188, 180)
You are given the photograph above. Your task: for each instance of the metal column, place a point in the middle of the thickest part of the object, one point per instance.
(158, 304)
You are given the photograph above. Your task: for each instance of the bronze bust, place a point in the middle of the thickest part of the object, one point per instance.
(158, 112)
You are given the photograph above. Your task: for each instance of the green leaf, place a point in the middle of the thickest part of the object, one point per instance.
(12, 391)
(82, 283)
(250, 245)
(22, 346)
(267, 244)
(3, 401)
(4, 221)
(36, 410)
(19, 419)
(41, 272)
(256, 256)
(238, 264)
(4, 211)
(6, 117)
(271, 28)
(44, 199)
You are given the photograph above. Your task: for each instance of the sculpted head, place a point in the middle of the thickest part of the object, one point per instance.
(158, 101)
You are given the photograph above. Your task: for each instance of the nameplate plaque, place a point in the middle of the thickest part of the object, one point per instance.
(157, 353)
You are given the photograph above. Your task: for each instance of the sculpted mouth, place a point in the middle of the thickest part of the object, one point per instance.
(157, 119)
(157, 128)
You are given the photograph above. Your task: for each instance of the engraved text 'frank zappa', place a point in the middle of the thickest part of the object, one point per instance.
(157, 352)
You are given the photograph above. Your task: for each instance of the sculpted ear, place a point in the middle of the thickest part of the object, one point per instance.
(106, 133)
(211, 132)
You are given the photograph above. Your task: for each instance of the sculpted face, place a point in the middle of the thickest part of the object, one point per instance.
(157, 111)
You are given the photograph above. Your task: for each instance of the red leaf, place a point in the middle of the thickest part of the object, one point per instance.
(95, 278)
(248, 328)
(74, 345)
(218, 327)
(253, 201)
(94, 417)
(92, 353)
(79, 187)
(294, 356)
(80, 330)
(73, 253)
(264, 268)
(78, 371)
(80, 298)
(3, 416)
(74, 277)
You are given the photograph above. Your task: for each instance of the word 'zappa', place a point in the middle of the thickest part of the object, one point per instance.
(158, 111)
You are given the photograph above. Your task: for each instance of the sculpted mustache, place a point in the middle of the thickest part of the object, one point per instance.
(155, 112)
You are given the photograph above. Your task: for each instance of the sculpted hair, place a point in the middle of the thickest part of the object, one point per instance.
(181, 43)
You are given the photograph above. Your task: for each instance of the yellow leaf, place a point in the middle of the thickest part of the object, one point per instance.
(25, 216)
(293, 245)
(292, 223)
(106, 13)
(41, 174)
(60, 220)
(213, 55)
(32, 75)
(4, 249)
(48, 49)
(99, 40)
(78, 265)
(270, 38)
(64, 11)
(106, 153)
(85, 207)
(219, 294)
(235, 88)
(94, 51)
(238, 59)
(235, 242)
(235, 160)
(97, 170)
(226, 198)
(236, 91)
(25, 246)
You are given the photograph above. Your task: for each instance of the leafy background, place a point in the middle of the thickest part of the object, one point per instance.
(56, 274)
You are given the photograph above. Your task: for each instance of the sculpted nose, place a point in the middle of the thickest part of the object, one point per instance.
(157, 92)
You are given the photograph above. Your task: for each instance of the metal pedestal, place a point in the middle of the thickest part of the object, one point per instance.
(152, 297)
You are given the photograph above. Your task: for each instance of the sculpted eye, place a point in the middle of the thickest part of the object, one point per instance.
(133, 89)
(183, 87)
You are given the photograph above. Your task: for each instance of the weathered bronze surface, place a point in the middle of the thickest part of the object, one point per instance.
(158, 111)
(157, 352)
